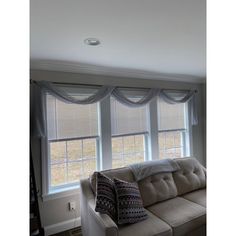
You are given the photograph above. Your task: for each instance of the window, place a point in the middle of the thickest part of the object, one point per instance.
(129, 130)
(85, 138)
(72, 142)
(172, 130)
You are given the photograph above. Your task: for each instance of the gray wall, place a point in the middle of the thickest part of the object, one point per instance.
(56, 211)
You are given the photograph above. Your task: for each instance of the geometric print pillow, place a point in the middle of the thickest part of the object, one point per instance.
(129, 202)
(105, 196)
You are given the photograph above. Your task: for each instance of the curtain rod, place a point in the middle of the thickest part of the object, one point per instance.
(128, 87)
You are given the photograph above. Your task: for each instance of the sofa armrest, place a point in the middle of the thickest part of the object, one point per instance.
(102, 224)
(204, 169)
(85, 195)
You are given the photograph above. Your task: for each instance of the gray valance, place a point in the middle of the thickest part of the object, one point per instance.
(146, 98)
(100, 92)
(174, 96)
(91, 94)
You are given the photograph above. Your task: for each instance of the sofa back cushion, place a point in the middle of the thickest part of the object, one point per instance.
(156, 188)
(190, 177)
(120, 173)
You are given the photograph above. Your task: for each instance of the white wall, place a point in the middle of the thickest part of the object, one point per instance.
(56, 211)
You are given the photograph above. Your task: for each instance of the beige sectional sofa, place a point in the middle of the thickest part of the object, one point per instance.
(175, 203)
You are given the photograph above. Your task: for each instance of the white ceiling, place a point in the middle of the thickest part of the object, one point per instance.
(159, 39)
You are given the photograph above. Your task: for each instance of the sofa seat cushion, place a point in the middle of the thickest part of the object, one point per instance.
(181, 214)
(198, 196)
(152, 226)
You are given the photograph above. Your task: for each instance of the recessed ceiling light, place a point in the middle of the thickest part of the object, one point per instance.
(92, 41)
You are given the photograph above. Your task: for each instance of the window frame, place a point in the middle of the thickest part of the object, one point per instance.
(66, 189)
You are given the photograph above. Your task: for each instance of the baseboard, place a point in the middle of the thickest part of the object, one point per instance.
(62, 226)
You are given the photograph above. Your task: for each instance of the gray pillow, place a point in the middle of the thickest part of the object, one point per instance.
(129, 202)
(105, 196)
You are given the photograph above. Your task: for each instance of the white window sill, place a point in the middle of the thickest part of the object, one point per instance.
(62, 192)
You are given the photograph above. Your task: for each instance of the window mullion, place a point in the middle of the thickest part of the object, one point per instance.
(165, 145)
(105, 151)
(123, 151)
(66, 162)
(98, 164)
(174, 145)
(82, 156)
(153, 131)
(46, 160)
(134, 144)
(145, 153)
(188, 139)
(183, 144)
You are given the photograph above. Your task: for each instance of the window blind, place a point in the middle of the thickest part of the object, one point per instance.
(68, 120)
(171, 116)
(127, 120)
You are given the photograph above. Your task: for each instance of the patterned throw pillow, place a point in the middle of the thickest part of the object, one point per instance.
(129, 203)
(105, 196)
